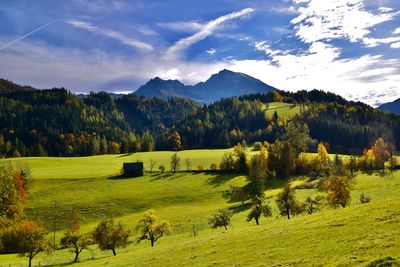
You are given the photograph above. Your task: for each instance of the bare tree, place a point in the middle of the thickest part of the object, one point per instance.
(152, 164)
(175, 162)
(188, 164)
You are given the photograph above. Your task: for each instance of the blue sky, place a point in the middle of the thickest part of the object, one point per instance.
(350, 47)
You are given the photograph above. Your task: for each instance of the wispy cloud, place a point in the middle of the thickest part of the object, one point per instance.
(111, 34)
(26, 35)
(182, 26)
(337, 19)
(205, 31)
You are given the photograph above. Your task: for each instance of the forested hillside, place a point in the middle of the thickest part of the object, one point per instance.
(56, 122)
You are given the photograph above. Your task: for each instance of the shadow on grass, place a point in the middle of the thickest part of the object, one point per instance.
(167, 176)
(220, 178)
(378, 173)
(125, 155)
(240, 208)
(122, 177)
(80, 261)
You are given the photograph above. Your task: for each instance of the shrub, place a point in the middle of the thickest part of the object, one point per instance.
(214, 166)
(364, 198)
(222, 218)
(161, 168)
(200, 167)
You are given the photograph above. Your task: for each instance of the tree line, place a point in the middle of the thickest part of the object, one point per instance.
(56, 122)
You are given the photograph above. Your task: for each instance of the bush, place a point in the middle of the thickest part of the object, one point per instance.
(364, 198)
(161, 168)
(222, 218)
(200, 167)
(388, 261)
(214, 166)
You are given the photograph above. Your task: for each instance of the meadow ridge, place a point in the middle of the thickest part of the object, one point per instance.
(366, 232)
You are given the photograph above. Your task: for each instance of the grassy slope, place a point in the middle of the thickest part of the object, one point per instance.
(348, 237)
(352, 236)
(283, 109)
(110, 165)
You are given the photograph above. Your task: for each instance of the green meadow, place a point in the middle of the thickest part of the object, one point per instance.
(285, 110)
(90, 189)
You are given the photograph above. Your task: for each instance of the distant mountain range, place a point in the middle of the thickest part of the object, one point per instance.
(391, 107)
(223, 84)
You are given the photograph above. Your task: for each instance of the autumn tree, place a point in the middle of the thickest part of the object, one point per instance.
(175, 162)
(392, 162)
(13, 191)
(222, 218)
(382, 152)
(241, 158)
(151, 227)
(259, 208)
(174, 141)
(322, 163)
(286, 202)
(227, 163)
(26, 238)
(76, 240)
(258, 172)
(338, 188)
(109, 235)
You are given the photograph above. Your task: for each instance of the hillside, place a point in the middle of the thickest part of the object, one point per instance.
(391, 107)
(220, 85)
(187, 199)
(56, 122)
(8, 87)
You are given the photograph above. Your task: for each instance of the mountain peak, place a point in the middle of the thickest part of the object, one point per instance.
(224, 84)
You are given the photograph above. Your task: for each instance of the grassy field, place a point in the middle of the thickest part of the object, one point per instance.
(105, 166)
(285, 110)
(353, 236)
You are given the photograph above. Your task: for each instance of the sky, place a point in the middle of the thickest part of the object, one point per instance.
(349, 47)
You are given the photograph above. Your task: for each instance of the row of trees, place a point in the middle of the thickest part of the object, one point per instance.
(28, 238)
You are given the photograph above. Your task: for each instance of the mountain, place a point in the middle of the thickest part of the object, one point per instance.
(393, 107)
(7, 87)
(223, 84)
(163, 88)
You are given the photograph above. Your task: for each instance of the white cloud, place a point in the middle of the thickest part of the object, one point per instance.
(372, 42)
(266, 48)
(371, 79)
(183, 26)
(385, 9)
(396, 31)
(206, 30)
(111, 34)
(334, 19)
(395, 45)
(211, 51)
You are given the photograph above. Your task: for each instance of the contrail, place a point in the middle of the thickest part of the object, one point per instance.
(26, 35)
